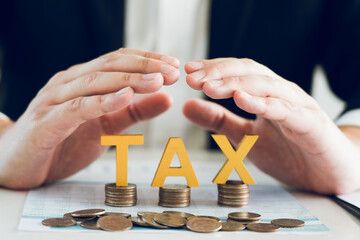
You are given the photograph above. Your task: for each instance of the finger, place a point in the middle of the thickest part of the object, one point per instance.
(298, 119)
(162, 57)
(145, 109)
(69, 115)
(257, 85)
(216, 118)
(196, 65)
(219, 69)
(117, 62)
(99, 83)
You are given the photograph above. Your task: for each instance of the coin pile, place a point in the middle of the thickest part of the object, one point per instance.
(120, 196)
(174, 195)
(244, 217)
(233, 193)
(98, 219)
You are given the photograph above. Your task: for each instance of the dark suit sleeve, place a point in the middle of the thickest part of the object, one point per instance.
(340, 50)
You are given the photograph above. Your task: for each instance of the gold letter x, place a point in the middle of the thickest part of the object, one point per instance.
(234, 158)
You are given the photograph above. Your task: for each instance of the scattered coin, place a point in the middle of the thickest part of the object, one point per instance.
(174, 195)
(149, 219)
(242, 222)
(232, 226)
(138, 221)
(58, 222)
(141, 214)
(125, 215)
(203, 225)
(170, 219)
(244, 216)
(90, 224)
(88, 213)
(114, 223)
(183, 214)
(200, 216)
(78, 219)
(288, 223)
(263, 227)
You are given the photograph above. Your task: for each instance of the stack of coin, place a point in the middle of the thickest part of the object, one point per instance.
(120, 196)
(174, 195)
(233, 193)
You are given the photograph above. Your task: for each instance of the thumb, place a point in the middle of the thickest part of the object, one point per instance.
(144, 109)
(216, 118)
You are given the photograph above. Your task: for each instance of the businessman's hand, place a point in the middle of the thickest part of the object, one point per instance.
(60, 131)
(298, 144)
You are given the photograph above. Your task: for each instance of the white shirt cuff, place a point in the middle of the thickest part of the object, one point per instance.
(351, 117)
(4, 117)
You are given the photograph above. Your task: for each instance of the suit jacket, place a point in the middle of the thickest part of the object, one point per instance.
(41, 37)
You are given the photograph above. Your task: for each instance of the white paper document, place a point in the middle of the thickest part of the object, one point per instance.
(351, 198)
(57, 199)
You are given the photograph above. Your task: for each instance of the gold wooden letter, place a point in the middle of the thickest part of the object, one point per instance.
(234, 158)
(175, 145)
(122, 143)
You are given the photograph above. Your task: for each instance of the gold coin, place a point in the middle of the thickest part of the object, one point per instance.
(175, 187)
(242, 222)
(170, 219)
(200, 216)
(288, 223)
(262, 227)
(235, 182)
(88, 213)
(183, 214)
(113, 187)
(125, 215)
(232, 226)
(90, 224)
(244, 216)
(142, 213)
(114, 223)
(203, 225)
(149, 219)
(174, 205)
(58, 222)
(78, 219)
(138, 221)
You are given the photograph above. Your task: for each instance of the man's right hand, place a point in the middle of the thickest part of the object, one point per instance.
(59, 133)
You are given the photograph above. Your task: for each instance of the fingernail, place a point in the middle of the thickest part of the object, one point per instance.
(197, 75)
(215, 83)
(166, 69)
(122, 91)
(171, 60)
(151, 76)
(196, 65)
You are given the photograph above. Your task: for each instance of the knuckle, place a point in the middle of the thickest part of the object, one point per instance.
(127, 78)
(76, 104)
(247, 61)
(109, 58)
(100, 101)
(90, 80)
(59, 75)
(218, 69)
(147, 55)
(143, 63)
